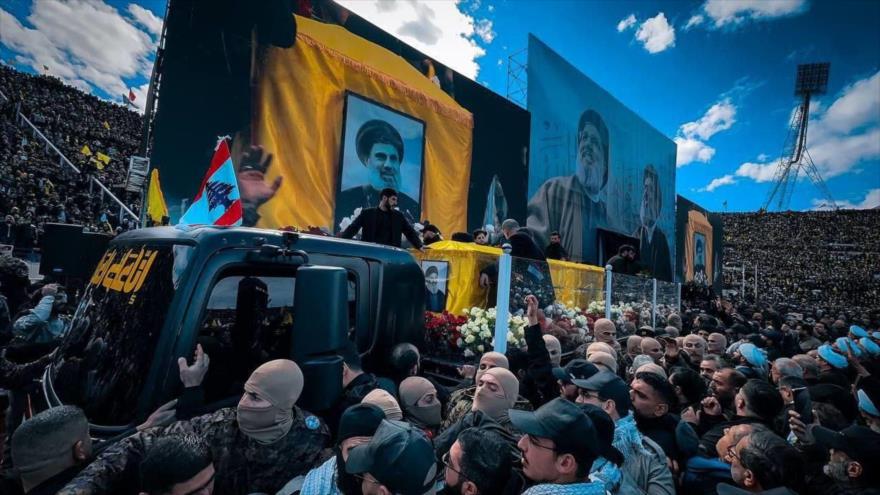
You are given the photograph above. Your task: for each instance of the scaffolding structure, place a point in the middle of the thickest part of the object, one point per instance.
(517, 77)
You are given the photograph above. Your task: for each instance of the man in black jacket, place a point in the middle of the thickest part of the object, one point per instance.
(384, 224)
(535, 277)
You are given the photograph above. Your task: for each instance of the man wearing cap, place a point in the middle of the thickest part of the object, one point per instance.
(558, 449)
(380, 149)
(854, 457)
(576, 369)
(832, 366)
(398, 460)
(257, 446)
(356, 384)
(356, 427)
(461, 401)
(868, 394)
(383, 224)
(644, 460)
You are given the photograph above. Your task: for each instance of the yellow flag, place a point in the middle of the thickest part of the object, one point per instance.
(106, 125)
(98, 163)
(85, 150)
(156, 208)
(103, 158)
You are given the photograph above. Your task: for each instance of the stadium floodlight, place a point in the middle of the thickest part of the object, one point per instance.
(812, 79)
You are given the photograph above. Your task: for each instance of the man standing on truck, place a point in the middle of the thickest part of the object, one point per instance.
(383, 224)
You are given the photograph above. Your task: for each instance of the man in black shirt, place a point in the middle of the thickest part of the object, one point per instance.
(625, 261)
(555, 250)
(384, 224)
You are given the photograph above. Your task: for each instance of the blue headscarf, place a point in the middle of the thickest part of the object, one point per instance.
(866, 405)
(834, 359)
(755, 356)
(870, 346)
(845, 342)
(858, 331)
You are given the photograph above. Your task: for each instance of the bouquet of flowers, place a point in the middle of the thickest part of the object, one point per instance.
(572, 319)
(597, 310)
(478, 331)
(442, 332)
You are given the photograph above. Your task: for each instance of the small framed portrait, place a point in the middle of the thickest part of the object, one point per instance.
(699, 253)
(381, 148)
(436, 278)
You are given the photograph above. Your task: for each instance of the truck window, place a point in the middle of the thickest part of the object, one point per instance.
(247, 321)
(106, 356)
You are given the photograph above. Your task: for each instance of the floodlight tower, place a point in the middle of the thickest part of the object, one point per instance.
(812, 79)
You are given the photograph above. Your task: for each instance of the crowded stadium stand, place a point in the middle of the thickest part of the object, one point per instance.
(35, 186)
(828, 260)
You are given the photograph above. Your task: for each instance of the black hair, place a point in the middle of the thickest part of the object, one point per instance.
(692, 385)
(172, 460)
(661, 387)
(479, 232)
(462, 237)
(772, 461)
(604, 433)
(432, 269)
(762, 399)
(403, 357)
(485, 459)
(737, 378)
(556, 233)
(387, 193)
(625, 248)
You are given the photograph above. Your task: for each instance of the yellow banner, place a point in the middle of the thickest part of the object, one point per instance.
(575, 284)
(300, 100)
(85, 150)
(156, 208)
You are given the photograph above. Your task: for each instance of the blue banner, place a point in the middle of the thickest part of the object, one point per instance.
(598, 173)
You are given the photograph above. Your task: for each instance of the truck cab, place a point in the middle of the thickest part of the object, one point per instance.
(247, 296)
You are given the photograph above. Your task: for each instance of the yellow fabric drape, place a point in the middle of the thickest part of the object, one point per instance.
(575, 284)
(299, 107)
(156, 208)
(697, 223)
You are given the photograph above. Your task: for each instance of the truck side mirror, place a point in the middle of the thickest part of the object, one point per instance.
(320, 329)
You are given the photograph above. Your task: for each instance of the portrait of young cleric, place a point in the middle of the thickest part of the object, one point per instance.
(573, 204)
(380, 148)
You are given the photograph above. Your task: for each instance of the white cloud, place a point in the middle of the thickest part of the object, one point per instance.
(483, 29)
(692, 135)
(694, 21)
(858, 105)
(692, 150)
(146, 19)
(758, 172)
(720, 117)
(82, 42)
(871, 200)
(763, 157)
(442, 30)
(735, 12)
(491, 8)
(626, 23)
(656, 34)
(725, 180)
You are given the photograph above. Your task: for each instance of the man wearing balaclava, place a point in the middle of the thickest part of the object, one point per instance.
(554, 348)
(420, 404)
(461, 401)
(257, 446)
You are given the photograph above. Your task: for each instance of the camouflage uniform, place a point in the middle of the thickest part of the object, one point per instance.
(461, 401)
(242, 464)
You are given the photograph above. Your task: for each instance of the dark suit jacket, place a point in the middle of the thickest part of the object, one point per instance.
(365, 197)
(367, 224)
(654, 253)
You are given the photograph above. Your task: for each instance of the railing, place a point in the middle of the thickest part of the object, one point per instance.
(64, 161)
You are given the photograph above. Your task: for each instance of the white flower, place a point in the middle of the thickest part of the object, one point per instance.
(484, 327)
(486, 334)
(480, 348)
(511, 338)
(468, 353)
(470, 339)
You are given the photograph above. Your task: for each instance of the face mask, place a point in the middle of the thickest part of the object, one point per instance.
(495, 405)
(836, 470)
(426, 415)
(263, 424)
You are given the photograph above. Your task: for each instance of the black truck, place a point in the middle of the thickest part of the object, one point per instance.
(247, 296)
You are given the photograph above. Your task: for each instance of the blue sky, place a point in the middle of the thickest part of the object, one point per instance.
(715, 75)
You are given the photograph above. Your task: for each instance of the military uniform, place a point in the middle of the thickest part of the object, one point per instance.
(242, 464)
(461, 401)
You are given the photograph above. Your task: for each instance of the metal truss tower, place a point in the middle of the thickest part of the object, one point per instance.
(517, 77)
(812, 79)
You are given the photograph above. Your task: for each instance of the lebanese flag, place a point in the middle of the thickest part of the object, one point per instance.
(218, 201)
(131, 95)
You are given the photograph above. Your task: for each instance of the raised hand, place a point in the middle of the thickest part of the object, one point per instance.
(192, 376)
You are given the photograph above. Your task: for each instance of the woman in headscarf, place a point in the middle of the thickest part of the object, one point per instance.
(421, 407)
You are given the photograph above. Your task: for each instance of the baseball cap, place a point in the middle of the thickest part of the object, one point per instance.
(399, 456)
(608, 385)
(575, 369)
(360, 420)
(859, 443)
(563, 422)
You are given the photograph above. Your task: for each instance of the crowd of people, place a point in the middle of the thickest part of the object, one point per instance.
(35, 187)
(725, 399)
(807, 261)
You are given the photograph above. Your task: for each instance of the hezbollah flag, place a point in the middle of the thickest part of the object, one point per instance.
(156, 208)
(300, 108)
(218, 201)
(85, 150)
